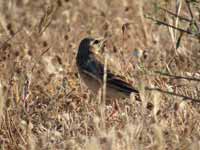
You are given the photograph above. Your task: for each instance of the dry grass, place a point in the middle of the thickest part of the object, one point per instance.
(43, 103)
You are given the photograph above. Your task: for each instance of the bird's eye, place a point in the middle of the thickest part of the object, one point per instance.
(95, 42)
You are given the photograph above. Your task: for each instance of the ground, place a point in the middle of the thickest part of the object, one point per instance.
(45, 105)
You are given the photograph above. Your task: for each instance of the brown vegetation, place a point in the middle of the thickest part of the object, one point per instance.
(43, 103)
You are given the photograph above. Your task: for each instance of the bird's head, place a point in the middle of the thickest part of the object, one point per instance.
(98, 45)
(90, 46)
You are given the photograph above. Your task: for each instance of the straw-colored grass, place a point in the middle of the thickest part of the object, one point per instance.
(45, 105)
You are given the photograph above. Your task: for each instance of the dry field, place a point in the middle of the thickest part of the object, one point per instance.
(45, 105)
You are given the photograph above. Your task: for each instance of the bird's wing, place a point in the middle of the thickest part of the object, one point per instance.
(95, 69)
(117, 83)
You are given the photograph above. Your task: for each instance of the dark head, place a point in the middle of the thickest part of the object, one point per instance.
(84, 49)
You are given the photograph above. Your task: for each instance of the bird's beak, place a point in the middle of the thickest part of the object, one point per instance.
(102, 42)
(99, 44)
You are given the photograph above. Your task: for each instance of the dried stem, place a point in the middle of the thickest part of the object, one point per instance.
(173, 94)
(177, 77)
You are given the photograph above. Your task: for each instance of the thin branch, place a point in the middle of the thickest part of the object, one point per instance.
(177, 77)
(47, 19)
(189, 8)
(175, 15)
(180, 17)
(9, 39)
(39, 58)
(191, 14)
(173, 94)
(168, 25)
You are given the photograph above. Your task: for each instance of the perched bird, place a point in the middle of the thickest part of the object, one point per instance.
(91, 71)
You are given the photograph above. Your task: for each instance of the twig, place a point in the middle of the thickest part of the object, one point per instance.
(8, 127)
(18, 131)
(39, 58)
(191, 14)
(173, 94)
(177, 77)
(175, 15)
(189, 8)
(47, 19)
(168, 25)
(178, 10)
(9, 39)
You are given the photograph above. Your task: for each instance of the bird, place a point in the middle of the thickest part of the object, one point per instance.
(92, 71)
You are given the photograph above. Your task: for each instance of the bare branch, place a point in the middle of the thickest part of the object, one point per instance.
(178, 77)
(173, 94)
(9, 39)
(175, 15)
(191, 14)
(168, 25)
(189, 8)
(45, 51)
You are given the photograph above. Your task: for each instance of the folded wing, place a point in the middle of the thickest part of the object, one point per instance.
(120, 85)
